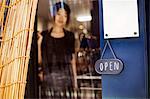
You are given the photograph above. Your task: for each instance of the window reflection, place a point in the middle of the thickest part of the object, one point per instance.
(84, 23)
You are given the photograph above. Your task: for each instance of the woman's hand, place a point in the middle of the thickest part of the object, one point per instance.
(40, 75)
(75, 82)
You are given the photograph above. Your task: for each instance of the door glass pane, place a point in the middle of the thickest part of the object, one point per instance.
(59, 78)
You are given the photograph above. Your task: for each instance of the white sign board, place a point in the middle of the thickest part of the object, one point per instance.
(120, 18)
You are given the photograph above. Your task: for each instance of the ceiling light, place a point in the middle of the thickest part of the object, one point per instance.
(84, 18)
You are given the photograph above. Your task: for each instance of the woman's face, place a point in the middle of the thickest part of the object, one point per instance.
(61, 18)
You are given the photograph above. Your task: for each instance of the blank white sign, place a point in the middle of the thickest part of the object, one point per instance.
(120, 18)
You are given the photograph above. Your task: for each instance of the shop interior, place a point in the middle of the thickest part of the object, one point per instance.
(84, 23)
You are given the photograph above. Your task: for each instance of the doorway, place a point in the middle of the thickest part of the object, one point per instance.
(87, 46)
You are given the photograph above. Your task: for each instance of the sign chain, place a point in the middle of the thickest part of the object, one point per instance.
(111, 49)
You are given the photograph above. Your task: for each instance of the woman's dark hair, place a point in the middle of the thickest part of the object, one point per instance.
(63, 5)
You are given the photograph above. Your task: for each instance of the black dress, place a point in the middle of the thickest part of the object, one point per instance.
(56, 62)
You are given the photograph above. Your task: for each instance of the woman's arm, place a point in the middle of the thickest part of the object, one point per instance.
(39, 36)
(39, 41)
(74, 70)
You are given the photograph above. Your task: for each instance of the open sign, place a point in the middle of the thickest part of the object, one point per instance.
(108, 66)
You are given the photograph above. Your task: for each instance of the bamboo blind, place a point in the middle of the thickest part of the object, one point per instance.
(16, 22)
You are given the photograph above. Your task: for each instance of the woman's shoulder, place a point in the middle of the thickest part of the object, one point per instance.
(45, 32)
(69, 33)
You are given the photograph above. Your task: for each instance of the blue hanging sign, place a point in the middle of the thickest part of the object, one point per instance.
(108, 66)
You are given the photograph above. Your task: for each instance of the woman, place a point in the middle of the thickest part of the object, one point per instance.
(58, 59)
